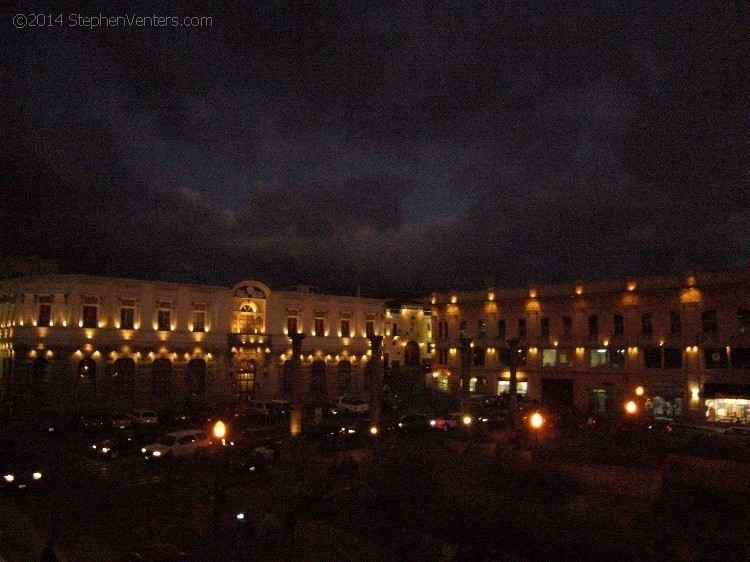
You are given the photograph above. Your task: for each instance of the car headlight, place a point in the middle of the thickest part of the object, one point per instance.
(9, 477)
(143, 450)
(156, 453)
(105, 450)
(432, 423)
(37, 475)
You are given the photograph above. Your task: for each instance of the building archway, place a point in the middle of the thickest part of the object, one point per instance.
(246, 378)
(318, 377)
(345, 376)
(87, 371)
(411, 354)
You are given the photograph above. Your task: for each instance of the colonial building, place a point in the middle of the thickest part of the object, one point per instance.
(79, 343)
(677, 345)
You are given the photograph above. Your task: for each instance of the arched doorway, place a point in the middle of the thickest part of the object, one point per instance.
(318, 377)
(246, 379)
(411, 354)
(161, 377)
(196, 376)
(87, 371)
(345, 376)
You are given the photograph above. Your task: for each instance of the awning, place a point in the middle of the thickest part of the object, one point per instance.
(726, 390)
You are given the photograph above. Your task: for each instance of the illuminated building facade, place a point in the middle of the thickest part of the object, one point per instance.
(679, 345)
(85, 343)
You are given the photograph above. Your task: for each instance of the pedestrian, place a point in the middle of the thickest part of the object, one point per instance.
(244, 535)
(288, 530)
(48, 552)
(268, 528)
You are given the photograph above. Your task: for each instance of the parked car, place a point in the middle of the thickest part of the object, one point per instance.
(144, 416)
(414, 423)
(269, 408)
(177, 444)
(157, 552)
(269, 452)
(92, 423)
(120, 444)
(446, 422)
(352, 405)
(20, 467)
(49, 422)
(120, 421)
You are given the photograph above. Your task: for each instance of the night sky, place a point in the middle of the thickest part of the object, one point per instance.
(402, 147)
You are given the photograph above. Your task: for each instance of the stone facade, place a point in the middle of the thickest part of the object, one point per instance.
(677, 345)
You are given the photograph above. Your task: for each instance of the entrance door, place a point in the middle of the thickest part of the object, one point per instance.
(557, 391)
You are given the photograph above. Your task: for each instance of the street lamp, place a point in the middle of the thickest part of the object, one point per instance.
(536, 421)
(631, 407)
(220, 494)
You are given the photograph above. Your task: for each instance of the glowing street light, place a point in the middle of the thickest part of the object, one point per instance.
(631, 407)
(536, 421)
(220, 430)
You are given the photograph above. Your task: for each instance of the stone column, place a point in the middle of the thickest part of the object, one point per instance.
(376, 378)
(295, 415)
(513, 386)
(464, 348)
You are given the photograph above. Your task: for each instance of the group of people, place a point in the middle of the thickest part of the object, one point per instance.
(271, 534)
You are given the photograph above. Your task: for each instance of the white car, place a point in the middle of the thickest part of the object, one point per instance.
(143, 416)
(177, 444)
(353, 405)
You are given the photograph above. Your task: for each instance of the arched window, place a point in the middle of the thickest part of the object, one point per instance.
(345, 376)
(161, 376)
(196, 376)
(411, 354)
(123, 375)
(318, 377)
(248, 319)
(87, 371)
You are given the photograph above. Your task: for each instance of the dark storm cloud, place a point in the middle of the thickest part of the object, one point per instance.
(398, 147)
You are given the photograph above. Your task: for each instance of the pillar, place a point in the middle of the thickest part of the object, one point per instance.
(295, 415)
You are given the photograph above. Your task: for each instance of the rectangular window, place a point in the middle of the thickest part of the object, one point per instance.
(443, 356)
(608, 357)
(90, 312)
(45, 311)
(462, 329)
(345, 328)
(709, 322)
(647, 325)
(481, 328)
(545, 327)
(522, 328)
(564, 357)
(672, 358)
(370, 325)
(291, 325)
(320, 326)
(501, 328)
(567, 326)
(199, 317)
(164, 318)
(478, 353)
(503, 387)
(593, 326)
(127, 314)
(675, 323)
(743, 319)
(619, 325)
(549, 357)
(716, 358)
(652, 357)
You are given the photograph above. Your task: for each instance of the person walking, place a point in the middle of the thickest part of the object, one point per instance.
(288, 530)
(48, 552)
(269, 527)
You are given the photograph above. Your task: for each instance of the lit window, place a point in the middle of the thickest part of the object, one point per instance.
(164, 317)
(127, 314)
(199, 317)
(90, 312)
(45, 311)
